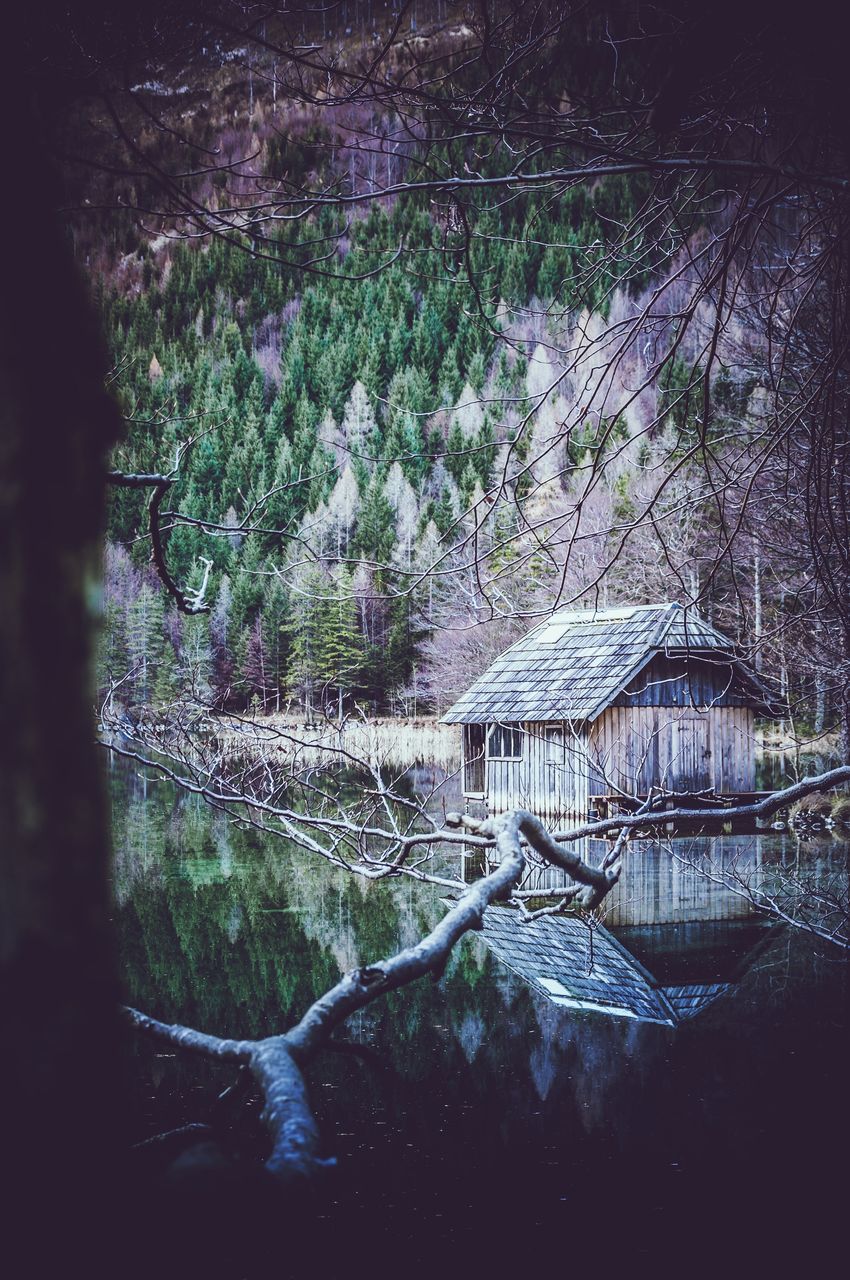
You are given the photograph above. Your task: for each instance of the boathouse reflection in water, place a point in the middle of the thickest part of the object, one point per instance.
(669, 940)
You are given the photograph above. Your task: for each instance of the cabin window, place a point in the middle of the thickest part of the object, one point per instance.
(473, 759)
(505, 742)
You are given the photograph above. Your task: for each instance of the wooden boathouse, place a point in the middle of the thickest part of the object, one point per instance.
(597, 706)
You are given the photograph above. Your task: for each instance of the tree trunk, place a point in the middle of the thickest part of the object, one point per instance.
(59, 1080)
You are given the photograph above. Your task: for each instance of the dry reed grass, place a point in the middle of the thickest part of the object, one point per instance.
(394, 743)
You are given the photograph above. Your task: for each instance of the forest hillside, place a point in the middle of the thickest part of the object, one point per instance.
(395, 441)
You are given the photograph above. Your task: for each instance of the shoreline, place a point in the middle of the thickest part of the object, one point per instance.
(406, 741)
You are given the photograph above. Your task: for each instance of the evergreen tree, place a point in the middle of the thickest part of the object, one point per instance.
(166, 684)
(456, 455)
(282, 507)
(276, 635)
(222, 657)
(375, 537)
(485, 458)
(468, 484)
(450, 380)
(305, 638)
(477, 372)
(402, 643)
(341, 649)
(145, 641)
(444, 512)
(248, 585)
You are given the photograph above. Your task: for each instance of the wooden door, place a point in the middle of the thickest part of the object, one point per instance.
(566, 767)
(692, 766)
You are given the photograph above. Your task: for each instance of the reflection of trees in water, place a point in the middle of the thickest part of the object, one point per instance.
(228, 932)
(221, 931)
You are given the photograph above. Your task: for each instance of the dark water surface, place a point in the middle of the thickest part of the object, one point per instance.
(488, 1128)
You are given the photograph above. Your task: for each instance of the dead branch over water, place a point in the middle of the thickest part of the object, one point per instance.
(276, 1062)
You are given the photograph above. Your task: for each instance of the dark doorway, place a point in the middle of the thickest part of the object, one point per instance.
(473, 759)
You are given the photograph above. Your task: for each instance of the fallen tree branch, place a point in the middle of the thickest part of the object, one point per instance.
(597, 880)
(276, 1062)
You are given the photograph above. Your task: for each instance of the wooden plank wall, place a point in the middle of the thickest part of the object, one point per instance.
(684, 682)
(636, 747)
(631, 748)
(550, 779)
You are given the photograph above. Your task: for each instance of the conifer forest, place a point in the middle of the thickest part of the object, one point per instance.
(399, 425)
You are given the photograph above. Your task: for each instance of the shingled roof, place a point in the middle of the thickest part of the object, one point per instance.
(552, 954)
(574, 664)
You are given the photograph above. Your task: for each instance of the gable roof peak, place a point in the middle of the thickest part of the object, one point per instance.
(574, 663)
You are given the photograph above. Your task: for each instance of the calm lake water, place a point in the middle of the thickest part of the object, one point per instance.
(507, 1114)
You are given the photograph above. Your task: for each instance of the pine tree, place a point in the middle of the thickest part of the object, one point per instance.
(244, 477)
(166, 683)
(477, 372)
(304, 637)
(484, 459)
(321, 476)
(248, 585)
(375, 537)
(402, 643)
(450, 380)
(145, 641)
(282, 507)
(444, 512)
(456, 455)
(121, 586)
(341, 649)
(276, 638)
(469, 482)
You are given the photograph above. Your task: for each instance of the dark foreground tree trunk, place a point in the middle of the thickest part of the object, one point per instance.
(59, 1078)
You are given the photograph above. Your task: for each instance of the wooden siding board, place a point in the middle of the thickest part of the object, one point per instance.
(684, 681)
(550, 778)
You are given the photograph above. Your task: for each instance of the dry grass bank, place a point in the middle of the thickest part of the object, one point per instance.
(395, 743)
